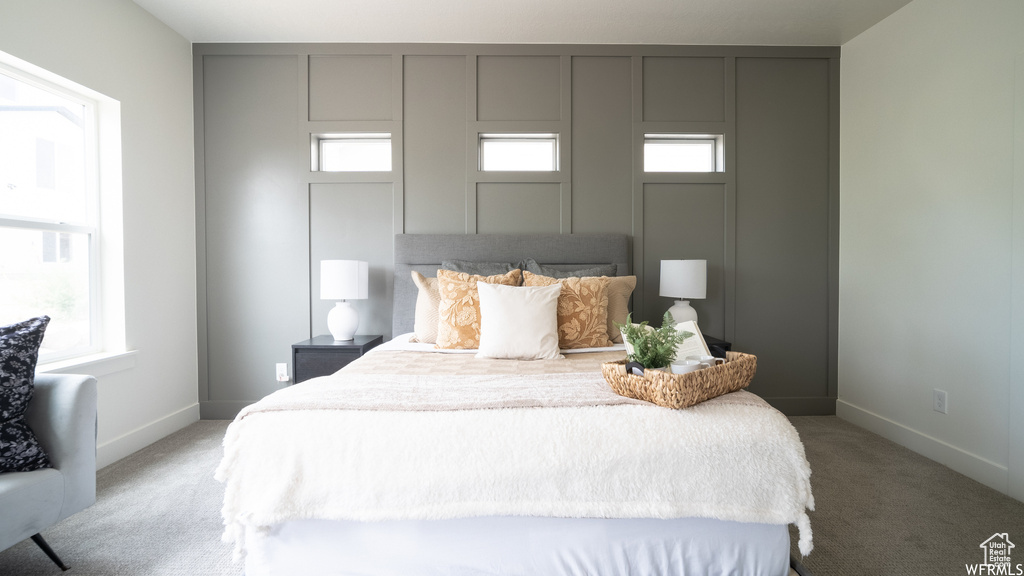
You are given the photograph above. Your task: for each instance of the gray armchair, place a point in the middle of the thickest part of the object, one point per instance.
(62, 414)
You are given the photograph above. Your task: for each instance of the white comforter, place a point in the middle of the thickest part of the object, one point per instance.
(731, 458)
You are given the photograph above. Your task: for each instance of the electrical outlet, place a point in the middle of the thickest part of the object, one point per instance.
(940, 402)
(282, 372)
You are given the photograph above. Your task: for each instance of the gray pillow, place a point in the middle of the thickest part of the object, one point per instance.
(478, 268)
(569, 272)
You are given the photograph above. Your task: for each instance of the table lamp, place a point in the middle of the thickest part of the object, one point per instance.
(343, 280)
(684, 279)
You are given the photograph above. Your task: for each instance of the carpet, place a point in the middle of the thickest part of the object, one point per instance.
(157, 513)
(881, 510)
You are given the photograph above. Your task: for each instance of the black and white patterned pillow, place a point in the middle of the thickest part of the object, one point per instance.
(19, 350)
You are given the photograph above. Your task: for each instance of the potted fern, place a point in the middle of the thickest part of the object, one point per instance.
(652, 348)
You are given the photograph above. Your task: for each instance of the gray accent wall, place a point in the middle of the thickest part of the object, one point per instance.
(767, 224)
(782, 231)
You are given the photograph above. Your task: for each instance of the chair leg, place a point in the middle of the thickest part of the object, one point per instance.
(38, 539)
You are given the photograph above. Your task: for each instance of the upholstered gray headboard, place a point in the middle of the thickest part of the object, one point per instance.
(424, 253)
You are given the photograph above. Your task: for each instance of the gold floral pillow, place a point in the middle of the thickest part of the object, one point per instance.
(582, 310)
(458, 323)
(620, 288)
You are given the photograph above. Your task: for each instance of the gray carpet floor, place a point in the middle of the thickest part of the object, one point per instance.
(881, 509)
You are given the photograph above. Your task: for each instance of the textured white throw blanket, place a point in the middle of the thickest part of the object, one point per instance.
(731, 458)
(354, 391)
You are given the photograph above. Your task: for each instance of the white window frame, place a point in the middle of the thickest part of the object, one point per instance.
(552, 137)
(317, 142)
(716, 140)
(90, 227)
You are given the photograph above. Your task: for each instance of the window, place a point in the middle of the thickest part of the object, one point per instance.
(352, 152)
(48, 212)
(56, 247)
(683, 153)
(519, 152)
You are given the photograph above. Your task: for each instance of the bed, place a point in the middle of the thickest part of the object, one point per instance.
(415, 461)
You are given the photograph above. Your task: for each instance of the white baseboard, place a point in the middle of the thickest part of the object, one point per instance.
(125, 444)
(971, 465)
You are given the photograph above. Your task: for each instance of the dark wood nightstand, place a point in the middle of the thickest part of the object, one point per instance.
(323, 355)
(718, 347)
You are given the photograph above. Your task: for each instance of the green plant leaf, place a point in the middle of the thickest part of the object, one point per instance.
(653, 347)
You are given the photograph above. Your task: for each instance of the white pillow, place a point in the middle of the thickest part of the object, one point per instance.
(428, 300)
(518, 322)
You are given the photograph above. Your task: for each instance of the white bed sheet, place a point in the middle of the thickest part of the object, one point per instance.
(527, 546)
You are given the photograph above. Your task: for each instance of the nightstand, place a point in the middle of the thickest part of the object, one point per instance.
(323, 355)
(718, 347)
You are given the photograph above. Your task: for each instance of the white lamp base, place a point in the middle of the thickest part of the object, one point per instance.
(682, 311)
(342, 321)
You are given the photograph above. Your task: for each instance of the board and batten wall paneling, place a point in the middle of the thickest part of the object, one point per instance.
(685, 222)
(684, 89)
(351, 221)
(350, 87)
(257, 237)
(517, 208)
(763, 224)
(518, 88)
(435, 144)
(782, 227)
(602, 152)
(686, 95)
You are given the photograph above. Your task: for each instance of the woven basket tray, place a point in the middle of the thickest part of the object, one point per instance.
(682, 390)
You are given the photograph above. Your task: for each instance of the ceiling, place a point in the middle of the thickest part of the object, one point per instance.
(735, 22)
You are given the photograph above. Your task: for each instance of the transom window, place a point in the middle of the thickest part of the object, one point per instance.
(351, 152)
(528, 152)
(683, 153)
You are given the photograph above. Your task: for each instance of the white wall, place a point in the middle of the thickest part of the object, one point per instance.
(926, 266)
(118, 49)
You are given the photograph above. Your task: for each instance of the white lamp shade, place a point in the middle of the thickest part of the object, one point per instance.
(344, 280)
(684, 278)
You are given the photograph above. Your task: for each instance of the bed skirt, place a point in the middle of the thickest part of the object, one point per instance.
(513, 546)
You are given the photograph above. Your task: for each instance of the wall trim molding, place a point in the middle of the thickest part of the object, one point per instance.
(137, 439)
(991, 474)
